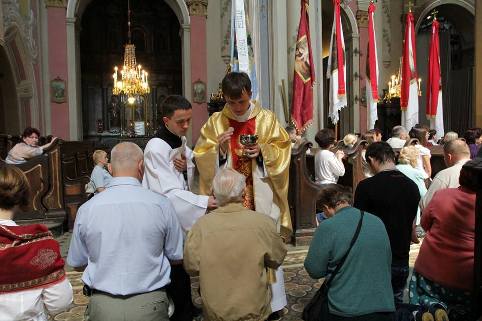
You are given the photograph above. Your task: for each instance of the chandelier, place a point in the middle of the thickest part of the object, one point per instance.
(133, 79)
(395, 86)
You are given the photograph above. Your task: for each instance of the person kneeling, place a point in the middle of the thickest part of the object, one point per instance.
(361, 290)
(232, 249)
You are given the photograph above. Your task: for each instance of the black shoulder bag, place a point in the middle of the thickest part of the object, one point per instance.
(317, 308)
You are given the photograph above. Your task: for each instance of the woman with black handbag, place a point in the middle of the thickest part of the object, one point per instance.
(351, 250)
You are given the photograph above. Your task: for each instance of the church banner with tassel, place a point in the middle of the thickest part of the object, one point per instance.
(434, 83)
(372, 69)
(409, 90)
(336, 67)
(304, 75)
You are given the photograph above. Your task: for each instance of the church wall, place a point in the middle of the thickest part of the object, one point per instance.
(58, 68)
(217, 42)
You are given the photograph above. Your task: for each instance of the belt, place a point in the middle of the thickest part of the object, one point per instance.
(88, 291)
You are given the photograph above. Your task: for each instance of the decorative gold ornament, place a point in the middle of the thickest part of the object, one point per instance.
(56, 3)
(133, 81)
(197, 7)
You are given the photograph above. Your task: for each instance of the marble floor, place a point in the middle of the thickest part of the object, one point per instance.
(299, 286)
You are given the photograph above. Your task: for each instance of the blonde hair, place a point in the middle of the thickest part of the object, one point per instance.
(97, 155)
(350, 140)
(409, 155)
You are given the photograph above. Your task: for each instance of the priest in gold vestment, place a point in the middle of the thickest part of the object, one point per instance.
(264, 163)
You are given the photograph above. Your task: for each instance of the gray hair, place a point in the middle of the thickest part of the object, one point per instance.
(449, 136)
(228, 186)
(126, 155)
(398, 130)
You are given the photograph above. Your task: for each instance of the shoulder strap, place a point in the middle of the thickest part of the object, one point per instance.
(353, 240)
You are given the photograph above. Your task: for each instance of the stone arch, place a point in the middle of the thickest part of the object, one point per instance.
(429, 6)
(20, 60)
(75, 9)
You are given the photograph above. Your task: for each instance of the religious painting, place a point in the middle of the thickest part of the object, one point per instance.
(302, 59)
(57, 90)
(199, 92)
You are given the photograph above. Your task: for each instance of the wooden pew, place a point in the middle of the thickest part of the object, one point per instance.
(46, 200)
(77, 165)
(303, 193)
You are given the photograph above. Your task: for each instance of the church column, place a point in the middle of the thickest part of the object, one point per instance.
(478, 63)
(278, 47)
(198, 15)
(57, 54)
(362, 20)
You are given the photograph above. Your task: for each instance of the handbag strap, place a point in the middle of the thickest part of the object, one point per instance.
(353, 240)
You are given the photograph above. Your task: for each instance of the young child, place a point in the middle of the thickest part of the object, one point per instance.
(100, 177)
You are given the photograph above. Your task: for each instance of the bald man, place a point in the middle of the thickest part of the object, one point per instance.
(124, 238)
(456, 154)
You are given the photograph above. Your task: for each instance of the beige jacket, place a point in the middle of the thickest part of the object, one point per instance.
(230, 249)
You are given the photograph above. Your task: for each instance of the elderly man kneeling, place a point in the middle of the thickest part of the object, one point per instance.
(231, 248)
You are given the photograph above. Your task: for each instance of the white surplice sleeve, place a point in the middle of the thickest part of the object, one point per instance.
(162, 177)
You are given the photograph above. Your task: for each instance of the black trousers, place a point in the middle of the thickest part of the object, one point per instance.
(180, 292)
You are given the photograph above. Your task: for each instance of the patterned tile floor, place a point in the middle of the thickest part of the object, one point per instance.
(299, 286)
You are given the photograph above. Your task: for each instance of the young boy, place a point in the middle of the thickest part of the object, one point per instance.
(100, 177)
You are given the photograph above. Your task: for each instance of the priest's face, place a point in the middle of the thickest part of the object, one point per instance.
(179, 122)
(239, 105)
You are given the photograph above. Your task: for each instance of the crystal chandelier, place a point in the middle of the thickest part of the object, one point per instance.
(133, 79)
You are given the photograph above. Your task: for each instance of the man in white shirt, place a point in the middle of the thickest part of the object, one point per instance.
(399, 137)
(328, 165)
(456, 154)
(169, 171)
(126, 238)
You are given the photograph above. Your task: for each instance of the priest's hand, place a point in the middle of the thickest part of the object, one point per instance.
(223, 140)
(212, 204)
(251, 151)
(180, 164)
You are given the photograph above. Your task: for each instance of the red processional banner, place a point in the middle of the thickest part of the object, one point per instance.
(304, 75)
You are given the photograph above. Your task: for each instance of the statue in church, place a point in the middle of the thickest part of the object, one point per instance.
(114, 115)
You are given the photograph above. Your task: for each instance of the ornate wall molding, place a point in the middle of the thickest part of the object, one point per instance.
(56, 3)
(362, 18)
(197, 7)
(25, 25)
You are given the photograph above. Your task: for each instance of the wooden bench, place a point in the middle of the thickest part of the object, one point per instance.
(46, 199)
(77, 165)
(304, 192)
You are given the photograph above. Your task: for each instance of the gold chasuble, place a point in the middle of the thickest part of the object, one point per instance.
(275, 148)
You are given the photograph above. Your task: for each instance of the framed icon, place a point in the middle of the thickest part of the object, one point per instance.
(57, 90)
(199, 92)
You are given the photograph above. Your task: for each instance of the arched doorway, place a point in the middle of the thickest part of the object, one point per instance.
(75, 11)
(9, 108)
(350, 115)
(457, 62)
(155, 33)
